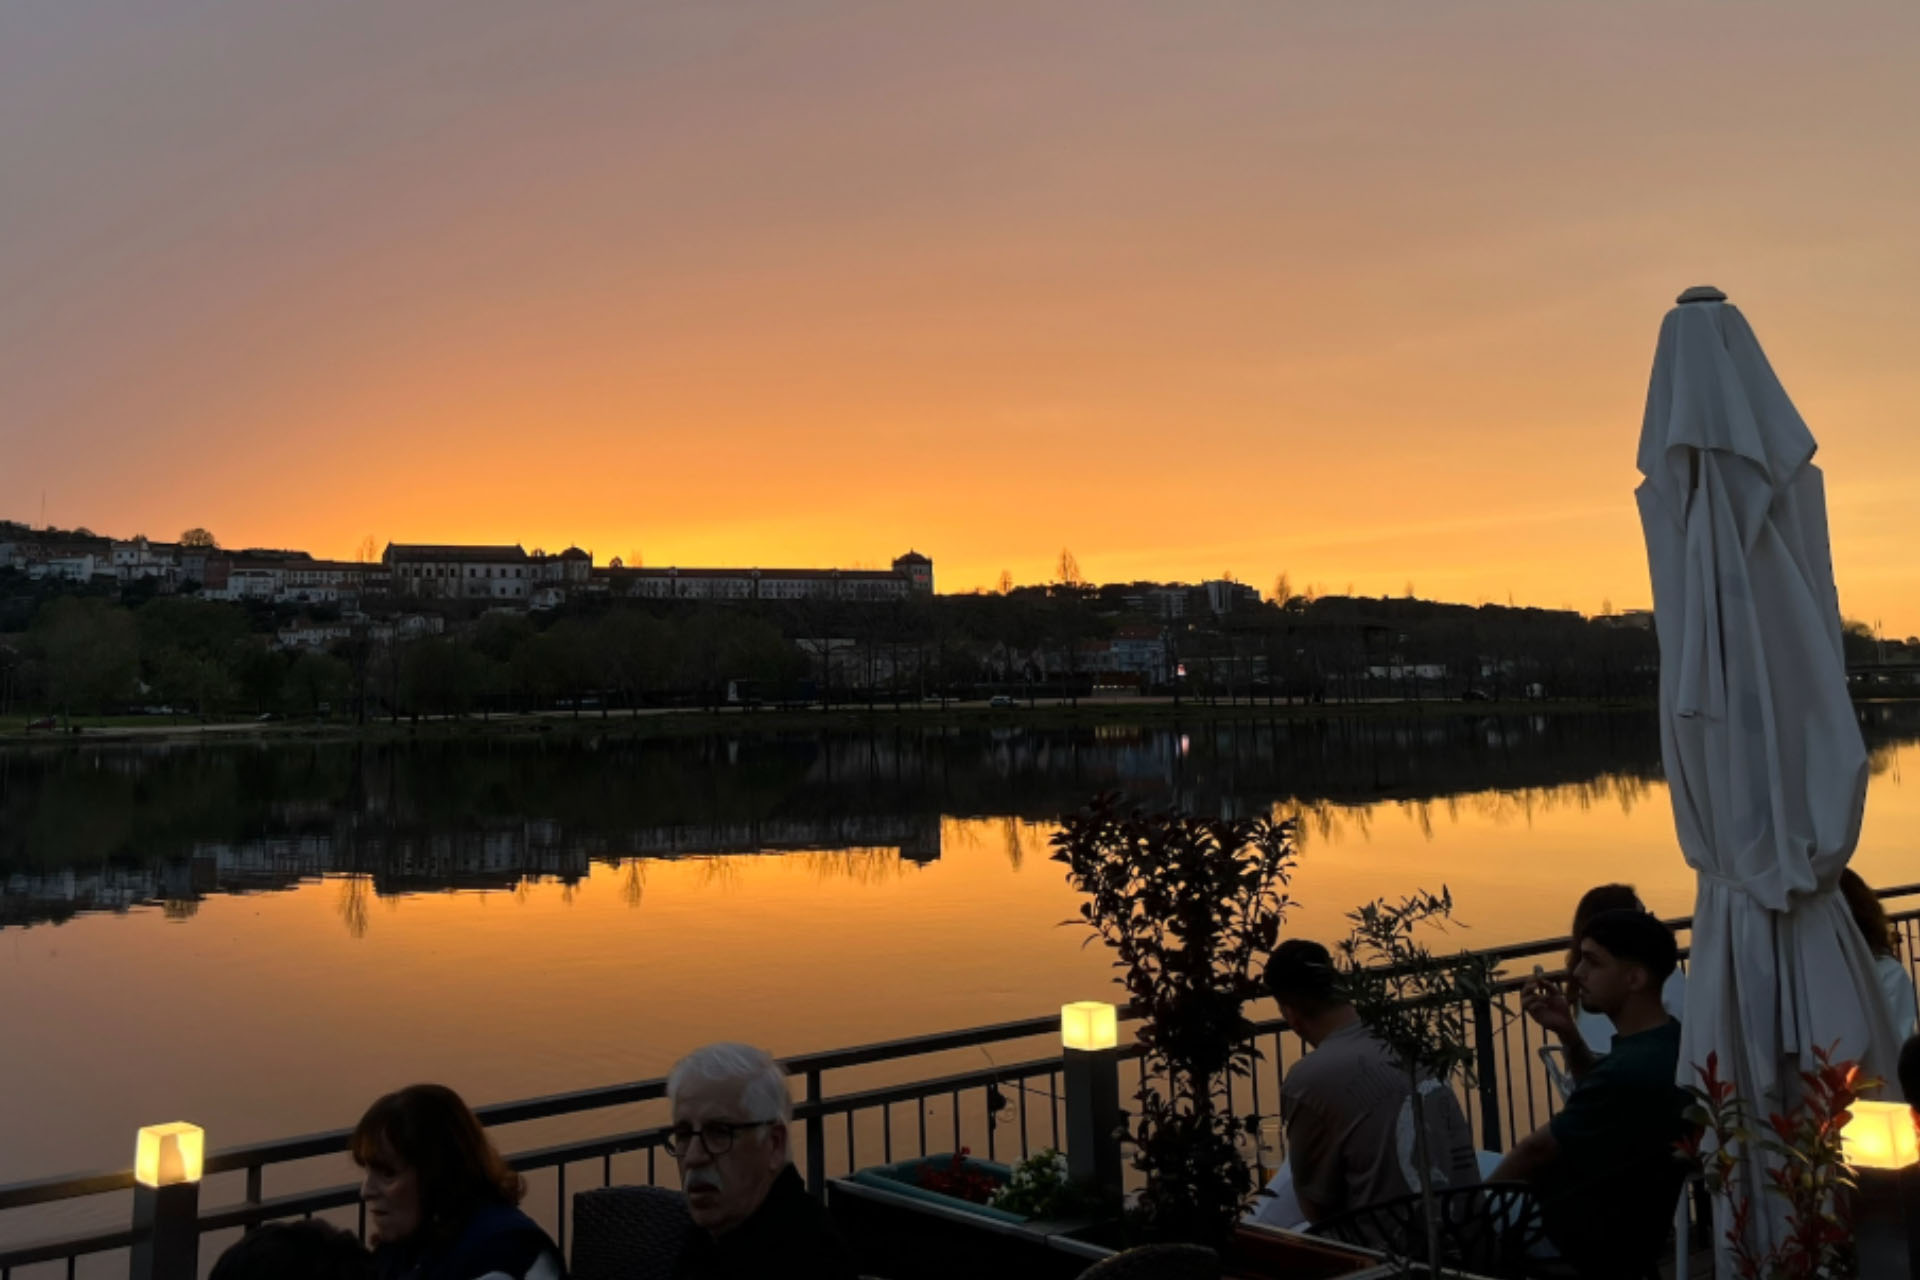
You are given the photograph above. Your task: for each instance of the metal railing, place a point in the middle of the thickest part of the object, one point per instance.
(834, 1132)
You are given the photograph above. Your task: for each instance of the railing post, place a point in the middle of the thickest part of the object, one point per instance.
(253, 1194)
(1489, 1083)
(816, 1136)
(166, 1225)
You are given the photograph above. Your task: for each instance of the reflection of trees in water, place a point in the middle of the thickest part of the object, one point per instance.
(1884, 760)
(356, 897)
(1335, 823)
(180, 908)
(862, 866)
(1016, 851)
(78, 808)
(723, 872)
(633, 881)
(1014, 838)
(506, 814)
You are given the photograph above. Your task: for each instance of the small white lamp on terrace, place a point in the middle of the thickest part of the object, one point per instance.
(1881, 1136)
(1883, 1149)
(1090, 1066)
(166, 1154)
(167, 1163)
(1088, 1025)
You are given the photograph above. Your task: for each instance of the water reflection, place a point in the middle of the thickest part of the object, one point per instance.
(106, 829)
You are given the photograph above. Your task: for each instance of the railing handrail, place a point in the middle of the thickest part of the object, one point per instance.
(255, 1156)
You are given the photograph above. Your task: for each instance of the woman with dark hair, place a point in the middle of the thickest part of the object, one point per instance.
(1896, 984)
(441, 1203)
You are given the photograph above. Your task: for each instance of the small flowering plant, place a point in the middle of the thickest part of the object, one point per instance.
(1805, 1164)
(1040, 1188)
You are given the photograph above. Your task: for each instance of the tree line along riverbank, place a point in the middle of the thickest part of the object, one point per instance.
(113, 664)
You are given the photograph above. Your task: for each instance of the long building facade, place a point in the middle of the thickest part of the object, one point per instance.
(503, 576)
(911, 574)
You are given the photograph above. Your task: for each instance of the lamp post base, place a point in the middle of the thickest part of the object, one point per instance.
(166, 1226)
(1092, 1080)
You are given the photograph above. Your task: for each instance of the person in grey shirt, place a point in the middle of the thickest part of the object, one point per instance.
(1347, 1107)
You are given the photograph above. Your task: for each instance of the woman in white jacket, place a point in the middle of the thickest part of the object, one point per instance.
(1896, 984)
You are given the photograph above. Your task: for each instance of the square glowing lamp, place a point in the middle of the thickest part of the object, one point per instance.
(1880, 1135)
(169, 1154)
(1089, 1025)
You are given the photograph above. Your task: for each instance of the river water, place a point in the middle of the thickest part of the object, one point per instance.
(262, 938)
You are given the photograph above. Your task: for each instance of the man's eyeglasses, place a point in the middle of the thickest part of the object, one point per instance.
(715, 1135)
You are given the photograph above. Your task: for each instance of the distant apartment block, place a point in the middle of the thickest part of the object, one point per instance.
(507, 574)
(912, 573)
(1225, 595)
(1179, 600)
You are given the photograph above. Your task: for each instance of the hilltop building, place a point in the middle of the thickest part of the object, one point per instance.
(502, 576)
(911, 574)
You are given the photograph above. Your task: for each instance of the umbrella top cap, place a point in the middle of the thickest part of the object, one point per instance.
(1702, 293)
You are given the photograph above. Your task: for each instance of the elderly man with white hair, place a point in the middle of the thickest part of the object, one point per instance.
(751, 1211)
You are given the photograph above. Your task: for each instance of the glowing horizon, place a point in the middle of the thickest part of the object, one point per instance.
(1367, 295)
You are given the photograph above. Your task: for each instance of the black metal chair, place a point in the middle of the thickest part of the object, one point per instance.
(628, 1233)
(1494, 1229)
(1158, 1262)
(1644, 1211)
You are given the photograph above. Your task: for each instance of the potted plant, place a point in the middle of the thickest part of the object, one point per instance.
(954, 1179)
(1191, 908)
(1805, 1161)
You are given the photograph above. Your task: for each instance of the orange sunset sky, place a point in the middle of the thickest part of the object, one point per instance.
(1363, 291)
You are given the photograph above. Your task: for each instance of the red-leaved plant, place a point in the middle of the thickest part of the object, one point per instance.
(957, 1179)
(1805, 1163)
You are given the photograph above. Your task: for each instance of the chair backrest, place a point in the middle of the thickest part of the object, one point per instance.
(1631, 1234)
(1491, 1229)
(1554, 1059)
(1158, 1262)
(628, 1233)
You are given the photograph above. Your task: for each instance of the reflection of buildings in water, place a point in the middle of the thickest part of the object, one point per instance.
(916, 836)
(59, 895)
(384, 813)
(503, 858)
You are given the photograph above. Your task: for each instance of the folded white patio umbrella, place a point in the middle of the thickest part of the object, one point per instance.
(1763, 753)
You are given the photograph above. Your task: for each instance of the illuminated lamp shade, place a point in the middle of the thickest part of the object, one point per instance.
(1880, 1135)
(1089, 1024)
(169, 1154)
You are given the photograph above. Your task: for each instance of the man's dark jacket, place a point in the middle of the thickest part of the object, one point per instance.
(788, 1236)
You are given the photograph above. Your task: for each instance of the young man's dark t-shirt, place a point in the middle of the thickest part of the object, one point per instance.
(1617, 1175)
